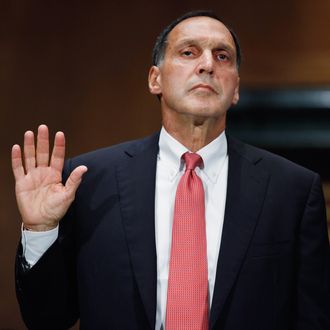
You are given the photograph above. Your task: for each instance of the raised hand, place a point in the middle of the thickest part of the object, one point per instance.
(41, 197)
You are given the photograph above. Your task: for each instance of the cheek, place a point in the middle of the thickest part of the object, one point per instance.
(230, 82)
(176, 72)
(173, 84)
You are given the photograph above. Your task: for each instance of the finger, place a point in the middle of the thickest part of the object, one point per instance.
(74, 180)
(57, 159)
(29, 151)
(43, 146)
(16, 162)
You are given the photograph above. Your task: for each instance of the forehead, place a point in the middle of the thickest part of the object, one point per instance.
(200, 29)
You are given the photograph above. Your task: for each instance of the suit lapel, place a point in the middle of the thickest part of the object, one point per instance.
(136, 182)
(246, 188)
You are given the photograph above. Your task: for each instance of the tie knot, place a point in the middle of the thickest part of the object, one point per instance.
(192, 160)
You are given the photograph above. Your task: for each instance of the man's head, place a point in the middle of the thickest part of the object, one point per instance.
(158, 51)
(196, 76)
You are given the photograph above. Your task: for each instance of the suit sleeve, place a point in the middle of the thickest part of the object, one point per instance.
(313, 281)
(47, 292)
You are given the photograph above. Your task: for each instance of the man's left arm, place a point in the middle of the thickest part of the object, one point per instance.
(313, 276)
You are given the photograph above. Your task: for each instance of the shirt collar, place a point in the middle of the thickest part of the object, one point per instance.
(213, 154)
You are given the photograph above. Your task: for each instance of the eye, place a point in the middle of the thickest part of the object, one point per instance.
(187, 53)
(222, 57)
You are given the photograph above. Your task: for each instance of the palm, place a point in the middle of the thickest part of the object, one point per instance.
(41, 197)
(42, 188)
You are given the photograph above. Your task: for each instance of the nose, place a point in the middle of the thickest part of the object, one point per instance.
(206, 63)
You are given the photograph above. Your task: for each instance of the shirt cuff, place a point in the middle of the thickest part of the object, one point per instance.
(36, 243)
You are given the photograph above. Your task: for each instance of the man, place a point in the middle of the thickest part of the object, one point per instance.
(112, 258)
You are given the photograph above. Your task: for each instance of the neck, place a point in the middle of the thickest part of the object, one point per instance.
(194, 132)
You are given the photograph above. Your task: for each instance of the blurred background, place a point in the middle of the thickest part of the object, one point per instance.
(82, 66)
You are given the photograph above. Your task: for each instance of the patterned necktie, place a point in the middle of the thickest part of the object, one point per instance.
(187, 293)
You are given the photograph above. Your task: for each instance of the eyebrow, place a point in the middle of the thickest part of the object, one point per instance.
(219, 46)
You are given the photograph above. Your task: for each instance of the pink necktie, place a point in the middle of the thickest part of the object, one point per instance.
(187, 293)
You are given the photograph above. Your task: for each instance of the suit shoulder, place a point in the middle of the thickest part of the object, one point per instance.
(270, 161)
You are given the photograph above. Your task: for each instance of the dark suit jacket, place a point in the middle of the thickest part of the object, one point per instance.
(272, 266)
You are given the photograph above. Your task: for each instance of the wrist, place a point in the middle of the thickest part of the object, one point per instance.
(38, 228)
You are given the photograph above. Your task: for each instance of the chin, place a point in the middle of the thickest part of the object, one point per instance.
(204, 108)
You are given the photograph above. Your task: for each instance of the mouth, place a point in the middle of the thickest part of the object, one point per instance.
(204, 87)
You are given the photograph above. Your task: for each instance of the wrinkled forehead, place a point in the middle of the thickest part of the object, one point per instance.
(201, 29)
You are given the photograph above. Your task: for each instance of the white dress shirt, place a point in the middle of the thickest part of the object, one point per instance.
(170, 168)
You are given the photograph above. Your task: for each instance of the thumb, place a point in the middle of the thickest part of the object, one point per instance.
(74, 180)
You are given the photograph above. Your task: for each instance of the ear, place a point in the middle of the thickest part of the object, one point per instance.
(236, 93)
(154, 80)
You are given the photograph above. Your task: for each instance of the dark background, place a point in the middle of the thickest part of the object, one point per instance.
(82, 67)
